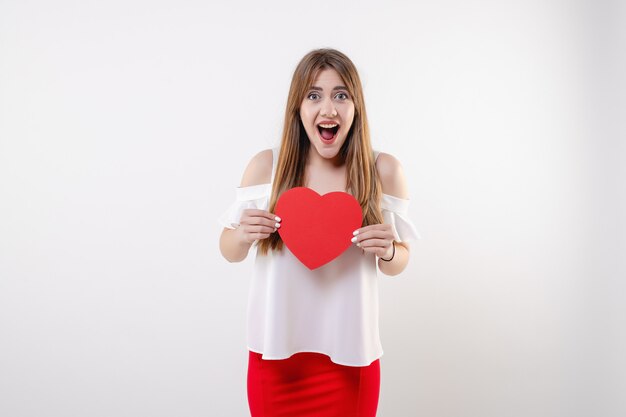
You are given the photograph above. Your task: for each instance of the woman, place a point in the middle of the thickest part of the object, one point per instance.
(313, 337)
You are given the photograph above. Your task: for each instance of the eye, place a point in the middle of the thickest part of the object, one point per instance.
(341, 96)
(313, 96)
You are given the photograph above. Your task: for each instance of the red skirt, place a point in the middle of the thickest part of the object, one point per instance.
(311, 385)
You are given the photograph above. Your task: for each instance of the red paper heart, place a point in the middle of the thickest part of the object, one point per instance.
(317, 228)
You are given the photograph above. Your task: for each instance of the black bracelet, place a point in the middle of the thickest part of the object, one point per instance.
(393, 243)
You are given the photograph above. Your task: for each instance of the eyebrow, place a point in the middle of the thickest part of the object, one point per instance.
(339, 87)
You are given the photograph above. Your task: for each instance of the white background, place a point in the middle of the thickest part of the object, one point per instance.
(125, 127)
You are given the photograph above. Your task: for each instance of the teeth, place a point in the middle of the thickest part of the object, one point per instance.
(330, 126)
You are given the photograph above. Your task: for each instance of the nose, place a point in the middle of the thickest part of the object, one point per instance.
(328, 108)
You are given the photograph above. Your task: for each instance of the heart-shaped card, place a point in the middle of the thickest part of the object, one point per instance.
(317, 228)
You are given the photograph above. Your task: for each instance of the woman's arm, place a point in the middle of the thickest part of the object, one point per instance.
(393, 183)
(255, 224)
(379, 238)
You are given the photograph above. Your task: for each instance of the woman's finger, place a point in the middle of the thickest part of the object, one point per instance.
(373, 234)
(375, 243)
(259, 236)
(380, 252)
(259, 229)
(377, 226)
(259, 221)
(256, 213)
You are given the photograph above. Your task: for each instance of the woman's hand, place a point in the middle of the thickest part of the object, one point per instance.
(257, 224)
(376, 239)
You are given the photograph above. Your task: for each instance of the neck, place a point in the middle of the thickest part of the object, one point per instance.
(316, 160)
(324, 175)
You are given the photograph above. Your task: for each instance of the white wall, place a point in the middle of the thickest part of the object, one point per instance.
(126, 125)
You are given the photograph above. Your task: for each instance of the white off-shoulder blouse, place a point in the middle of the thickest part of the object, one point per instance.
(331, 310)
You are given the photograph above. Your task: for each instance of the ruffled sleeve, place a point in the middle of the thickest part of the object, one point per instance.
(255, 196)
(395, 212)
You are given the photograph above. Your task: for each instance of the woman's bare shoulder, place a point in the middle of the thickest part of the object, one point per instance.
(259, 169)
(391, 175)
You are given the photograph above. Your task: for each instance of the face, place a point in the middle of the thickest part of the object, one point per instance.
(327, 111)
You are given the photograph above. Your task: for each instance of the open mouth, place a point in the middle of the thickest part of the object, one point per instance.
(328, 132)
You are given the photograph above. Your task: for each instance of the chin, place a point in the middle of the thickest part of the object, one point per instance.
(327, 151)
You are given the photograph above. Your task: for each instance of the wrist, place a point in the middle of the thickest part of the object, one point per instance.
(388, 257)
(241, 239)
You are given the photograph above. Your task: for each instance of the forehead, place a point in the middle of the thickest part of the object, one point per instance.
(327, 77)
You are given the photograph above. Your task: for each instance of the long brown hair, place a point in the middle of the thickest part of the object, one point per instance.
(362, 179)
